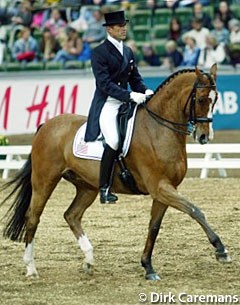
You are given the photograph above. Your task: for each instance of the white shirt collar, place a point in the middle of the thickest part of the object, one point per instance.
(116, 43)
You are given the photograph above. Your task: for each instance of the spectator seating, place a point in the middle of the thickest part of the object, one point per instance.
(74, 64)
(162, 16)
(13, 67)
(159, 45)
(34, 66)
(141, 33)
(140, 17)
(236, 9)
(53, 65)
(146, 25)
(209, 10)
(184, 14)
(159, 31)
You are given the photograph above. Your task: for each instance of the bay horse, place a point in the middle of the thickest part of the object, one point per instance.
(157, 159)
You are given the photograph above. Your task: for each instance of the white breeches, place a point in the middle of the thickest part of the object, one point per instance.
(108, 122)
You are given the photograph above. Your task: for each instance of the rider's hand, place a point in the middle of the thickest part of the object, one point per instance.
(137, 97)
(149, 92)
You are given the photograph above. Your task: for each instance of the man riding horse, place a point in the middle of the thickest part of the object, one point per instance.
(114, 67)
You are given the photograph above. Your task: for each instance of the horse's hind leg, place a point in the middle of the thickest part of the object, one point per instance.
(83, 199)
(41, 191)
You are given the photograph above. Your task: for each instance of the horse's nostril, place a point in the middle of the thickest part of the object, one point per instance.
(203, 139)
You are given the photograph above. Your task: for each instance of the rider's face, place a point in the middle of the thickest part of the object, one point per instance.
(118, 31)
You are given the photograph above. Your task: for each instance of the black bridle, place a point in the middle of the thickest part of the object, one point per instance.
(193, 119)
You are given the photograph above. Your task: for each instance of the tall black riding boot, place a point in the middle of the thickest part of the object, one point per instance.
(106, 168)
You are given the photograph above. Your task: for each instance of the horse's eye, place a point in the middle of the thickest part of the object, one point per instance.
(201, 100)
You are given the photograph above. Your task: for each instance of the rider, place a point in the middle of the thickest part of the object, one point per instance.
(114, 67)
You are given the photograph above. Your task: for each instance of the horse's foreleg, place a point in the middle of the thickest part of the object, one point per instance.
(83, 199)
(157, 214)
(168, 195)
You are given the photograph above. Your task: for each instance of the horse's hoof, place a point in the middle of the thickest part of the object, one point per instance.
(32, 276)
(223, 257)
(88, 268)
(152, 277)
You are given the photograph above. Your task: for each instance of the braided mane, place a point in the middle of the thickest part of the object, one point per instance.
(172, 76)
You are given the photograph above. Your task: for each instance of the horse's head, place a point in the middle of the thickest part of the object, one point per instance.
(202, 100)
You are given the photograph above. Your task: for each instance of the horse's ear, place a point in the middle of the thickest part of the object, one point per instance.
(213, 71)
(199, 74)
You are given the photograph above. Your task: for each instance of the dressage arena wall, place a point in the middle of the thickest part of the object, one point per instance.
(29, 99)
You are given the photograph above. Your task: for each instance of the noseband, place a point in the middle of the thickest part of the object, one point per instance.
(193, 119)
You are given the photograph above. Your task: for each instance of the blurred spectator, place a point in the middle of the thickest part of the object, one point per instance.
(151, 4)
(55, 23)
(72, 47)
(2, 47)
(171, 4)
(150, 58)
(199, 13)
(214, 52)
(198, 32)
(84, 19)
(233, 48)
(224, 13)
(191, 52)
(183, 3)
(38, 19)
(174, 56)
(7, 11)
(51, 2)
(175, 30)
(137, 55)
(94, 2)
(25, 48)
(95, 31)
(72, 13)
(48, 45)
(234, 28)
(192, 2)
(219, 31)
(23, 14)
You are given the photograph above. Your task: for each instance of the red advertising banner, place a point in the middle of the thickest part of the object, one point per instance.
(24, 105)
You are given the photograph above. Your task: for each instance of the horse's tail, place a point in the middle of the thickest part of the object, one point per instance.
(15, 226)
(16, 220)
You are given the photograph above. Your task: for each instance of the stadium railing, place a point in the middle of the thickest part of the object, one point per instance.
(212, 156)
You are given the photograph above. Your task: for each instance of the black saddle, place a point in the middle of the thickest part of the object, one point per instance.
(124, 114)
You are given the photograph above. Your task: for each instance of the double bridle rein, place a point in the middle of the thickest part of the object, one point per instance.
(193, 119)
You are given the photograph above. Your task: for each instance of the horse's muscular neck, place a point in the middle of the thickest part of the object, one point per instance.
(163, 145)
(170, 99)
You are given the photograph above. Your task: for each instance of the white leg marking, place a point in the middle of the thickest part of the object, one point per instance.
(87, 249)
(212, 96)
(29, 260)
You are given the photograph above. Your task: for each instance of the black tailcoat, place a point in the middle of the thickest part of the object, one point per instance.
(113, 72)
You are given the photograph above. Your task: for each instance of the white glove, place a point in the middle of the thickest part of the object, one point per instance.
(149, 92)
(137, 97)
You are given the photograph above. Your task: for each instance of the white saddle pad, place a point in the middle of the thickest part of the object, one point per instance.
(94, 150)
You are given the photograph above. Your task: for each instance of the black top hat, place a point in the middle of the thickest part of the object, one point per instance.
(114, 18)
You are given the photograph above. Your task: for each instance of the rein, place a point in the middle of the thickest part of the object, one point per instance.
(193, 119)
